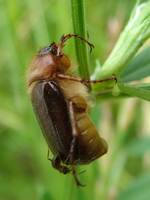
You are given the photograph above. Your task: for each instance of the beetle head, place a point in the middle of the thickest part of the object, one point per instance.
(46, 63)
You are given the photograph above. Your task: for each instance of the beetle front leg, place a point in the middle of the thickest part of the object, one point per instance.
(72, 148)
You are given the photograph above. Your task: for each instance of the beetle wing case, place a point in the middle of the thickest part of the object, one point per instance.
(51, 111)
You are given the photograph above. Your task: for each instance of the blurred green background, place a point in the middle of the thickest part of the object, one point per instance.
(25, 172)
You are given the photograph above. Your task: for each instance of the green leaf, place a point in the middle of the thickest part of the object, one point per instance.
(138, 189)
(141, 91)
(138, 68)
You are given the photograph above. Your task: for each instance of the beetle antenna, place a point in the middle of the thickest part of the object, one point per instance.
(66, 37)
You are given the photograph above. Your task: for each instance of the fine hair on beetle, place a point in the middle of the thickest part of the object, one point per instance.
(60, 102)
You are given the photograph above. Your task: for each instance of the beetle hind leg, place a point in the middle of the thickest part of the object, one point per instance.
(72, 148)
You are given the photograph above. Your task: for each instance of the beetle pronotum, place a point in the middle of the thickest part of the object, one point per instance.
(60, 103)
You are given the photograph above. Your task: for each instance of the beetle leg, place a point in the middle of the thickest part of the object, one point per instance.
(82, 80)
(66, 37)
(72, 148)
(48, 156)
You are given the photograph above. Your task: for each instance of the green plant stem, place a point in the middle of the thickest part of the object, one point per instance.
(78, 21)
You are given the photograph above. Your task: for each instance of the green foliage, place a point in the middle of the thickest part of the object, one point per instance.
(136, 32)
(123, 173)
(141, 90)
(138, 68)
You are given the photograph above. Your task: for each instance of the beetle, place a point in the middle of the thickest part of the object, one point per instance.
(60, 102)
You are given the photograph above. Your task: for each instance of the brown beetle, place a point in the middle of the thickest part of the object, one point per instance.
(60, 103)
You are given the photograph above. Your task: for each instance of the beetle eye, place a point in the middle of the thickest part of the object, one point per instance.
(52, 48)
(46, 49)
